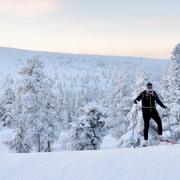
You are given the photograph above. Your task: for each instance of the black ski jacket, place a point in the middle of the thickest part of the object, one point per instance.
(149, 100)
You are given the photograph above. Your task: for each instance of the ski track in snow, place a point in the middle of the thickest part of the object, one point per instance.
(157, 162)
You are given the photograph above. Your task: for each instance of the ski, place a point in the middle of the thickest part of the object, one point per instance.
(167, 141)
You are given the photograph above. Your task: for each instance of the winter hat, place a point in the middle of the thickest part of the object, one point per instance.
(149, 85)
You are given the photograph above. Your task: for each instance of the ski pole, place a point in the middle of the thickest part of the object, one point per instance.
(134, 125)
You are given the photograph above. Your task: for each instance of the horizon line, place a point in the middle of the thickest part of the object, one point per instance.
(83, 54)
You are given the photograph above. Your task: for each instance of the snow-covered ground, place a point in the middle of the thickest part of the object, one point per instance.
(151, 163)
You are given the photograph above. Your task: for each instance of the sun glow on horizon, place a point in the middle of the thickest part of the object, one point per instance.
(80, 26)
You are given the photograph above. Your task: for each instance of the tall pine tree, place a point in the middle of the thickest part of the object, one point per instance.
(174, 93)
(35, 113)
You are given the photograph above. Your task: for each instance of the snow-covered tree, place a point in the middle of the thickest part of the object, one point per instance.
(88, 130)
(35, 112)
(134, 120)
(21, 143)
(66, 106)
(6, 107)
(174, 92)
(164, 95)
(121, 102)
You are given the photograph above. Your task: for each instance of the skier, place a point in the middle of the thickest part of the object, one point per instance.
(149, 99)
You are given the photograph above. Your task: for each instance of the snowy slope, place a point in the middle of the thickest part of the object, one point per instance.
(72, 69)
(151, 163)
(11, 59)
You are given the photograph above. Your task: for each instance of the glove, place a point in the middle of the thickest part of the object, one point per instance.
(165, 107)
(135, 101)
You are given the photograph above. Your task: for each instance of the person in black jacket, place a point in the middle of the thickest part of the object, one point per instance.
(149, 98)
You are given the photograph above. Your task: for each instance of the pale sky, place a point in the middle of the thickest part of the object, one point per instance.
(149, 28)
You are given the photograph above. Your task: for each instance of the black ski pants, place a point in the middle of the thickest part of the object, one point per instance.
(147, 115)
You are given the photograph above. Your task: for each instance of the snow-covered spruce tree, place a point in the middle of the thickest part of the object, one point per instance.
(121, 102)
(164, 96)
(88, 131)
(35, 113)
(70, 107)
(89, 89)
(21, 143)
(134, 119)
(60, 107)
(174, 93)
(66, 106)
(6, 108)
